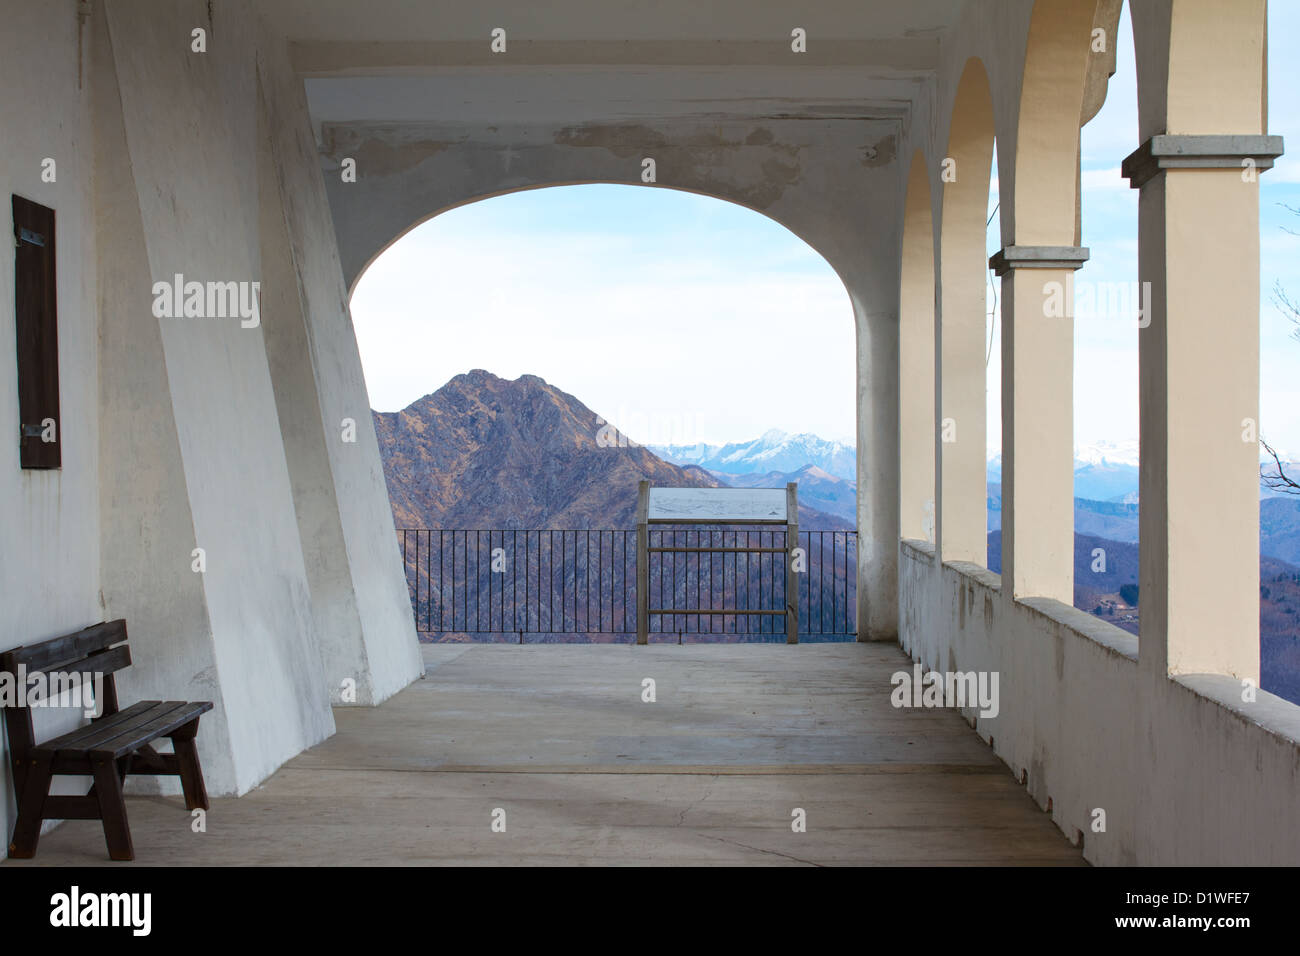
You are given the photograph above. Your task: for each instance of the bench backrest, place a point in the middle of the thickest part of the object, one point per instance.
(98, 649)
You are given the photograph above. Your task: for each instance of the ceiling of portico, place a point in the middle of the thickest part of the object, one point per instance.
(396, 62)
(585, 21)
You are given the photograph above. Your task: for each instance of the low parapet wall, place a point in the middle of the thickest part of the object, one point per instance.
(1178, 770)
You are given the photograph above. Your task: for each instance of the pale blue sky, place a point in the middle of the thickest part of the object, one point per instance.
(668, 312)
(662, 310)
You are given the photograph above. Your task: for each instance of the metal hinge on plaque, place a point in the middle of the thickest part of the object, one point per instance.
(31, 431)
(27, 235)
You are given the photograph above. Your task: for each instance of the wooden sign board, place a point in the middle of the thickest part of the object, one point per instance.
(718, 505)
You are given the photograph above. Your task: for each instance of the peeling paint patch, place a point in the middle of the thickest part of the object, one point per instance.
(382, 149)
(694, 158)
(623, 140)
(879, 153)
(376, 156)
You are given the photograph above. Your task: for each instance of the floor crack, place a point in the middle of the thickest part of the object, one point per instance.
(681, 817)
(759, 849)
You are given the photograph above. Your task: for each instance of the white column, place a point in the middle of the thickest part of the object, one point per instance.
(1198, 247)
(1038, 419)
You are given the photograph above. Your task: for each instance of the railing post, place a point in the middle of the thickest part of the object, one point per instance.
(642, 564)
(791, 578)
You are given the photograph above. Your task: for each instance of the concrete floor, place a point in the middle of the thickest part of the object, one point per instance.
(558, 737)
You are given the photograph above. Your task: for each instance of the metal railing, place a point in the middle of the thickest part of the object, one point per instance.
(576, 585)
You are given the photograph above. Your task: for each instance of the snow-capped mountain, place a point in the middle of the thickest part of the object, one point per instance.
(774, 451)
(1107, 453)
(1103, 470)
(818, 488)
(1108, 471)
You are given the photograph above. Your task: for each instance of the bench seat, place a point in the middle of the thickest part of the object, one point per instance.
(123, 733)
(116, 743)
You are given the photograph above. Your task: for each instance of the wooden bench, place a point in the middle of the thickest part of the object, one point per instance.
(115, 743)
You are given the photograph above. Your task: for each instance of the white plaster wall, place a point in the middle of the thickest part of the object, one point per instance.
(172, 435)
(334, 606)
(196, 186)
(1186, 772)
(381, 650)
(49, 520)
(147, 526)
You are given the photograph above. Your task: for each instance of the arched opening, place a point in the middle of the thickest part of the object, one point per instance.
(1109, 315)
(1279, 206)
(993, 369)
(1037, 263)
(532, 356)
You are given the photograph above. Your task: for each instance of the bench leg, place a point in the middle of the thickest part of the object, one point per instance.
(187, 756)
(123, 764)
(112, 809)
(31, 806)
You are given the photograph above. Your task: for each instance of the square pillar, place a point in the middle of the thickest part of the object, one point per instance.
(961, 432)
(1038, 419)
(1198, 247)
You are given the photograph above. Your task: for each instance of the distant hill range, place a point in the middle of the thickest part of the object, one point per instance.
(774, 452)
(485, 452)
(1117, 520)
(1279, 522)
(1103, 471)
(1108, 471)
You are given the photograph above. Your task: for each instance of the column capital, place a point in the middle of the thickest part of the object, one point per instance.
(1198, 152)
(1038, 257)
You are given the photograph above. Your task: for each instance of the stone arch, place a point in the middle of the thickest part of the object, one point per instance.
(960, 483)
(855, 230)
(1044, 185)
(838, 268)
(877, 500)
(876, 392)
